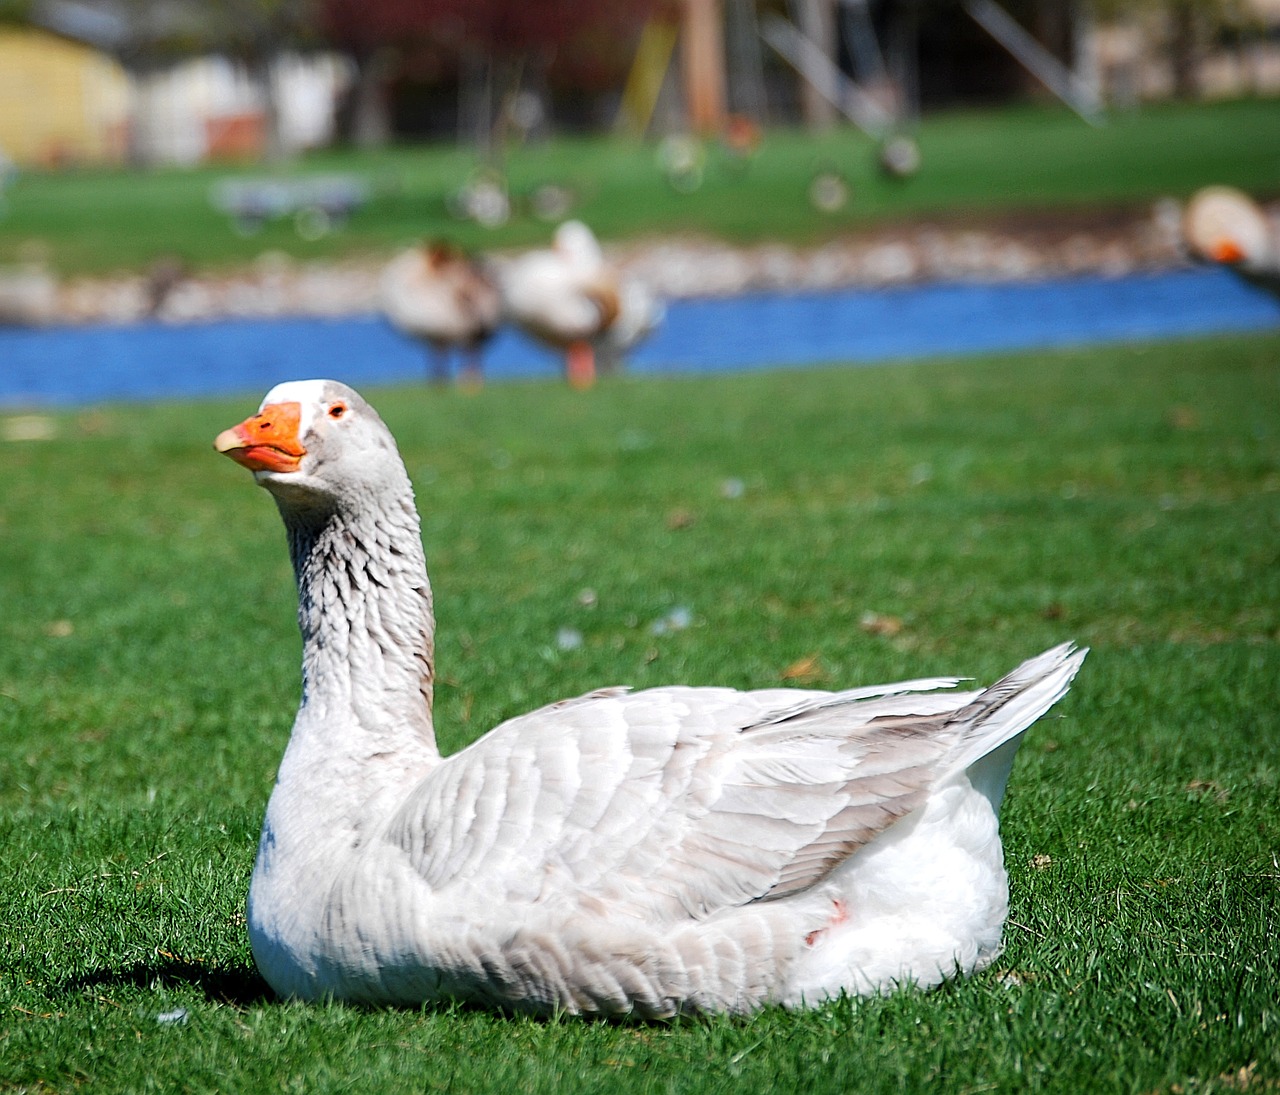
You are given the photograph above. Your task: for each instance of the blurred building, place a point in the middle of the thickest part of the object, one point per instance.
(61, 101)
(84, 84)
(210, 108)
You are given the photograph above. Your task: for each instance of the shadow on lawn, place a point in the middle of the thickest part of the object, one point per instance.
(238, 986)
(241, 987)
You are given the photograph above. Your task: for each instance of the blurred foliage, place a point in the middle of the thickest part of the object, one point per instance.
(1184, 29)
(501, 27)
(1232, 12)
(158, 30)
(15, 11)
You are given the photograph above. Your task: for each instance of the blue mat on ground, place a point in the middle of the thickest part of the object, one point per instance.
(86, 365)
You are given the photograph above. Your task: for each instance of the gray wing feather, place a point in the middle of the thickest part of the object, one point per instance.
(681, 801)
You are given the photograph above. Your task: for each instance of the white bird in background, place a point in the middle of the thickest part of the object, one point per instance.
(653, 853)
(438, 295)
(571, 298)
(1224, 225)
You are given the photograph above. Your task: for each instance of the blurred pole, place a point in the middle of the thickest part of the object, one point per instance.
(1037, 60)
(475, 100)
(261, 72)
(902, 44)
(816, 20)
(825, 77)
(864, 46)
(869, 67)
(370, 120)
(702, 65)
(746, 61)
(1084, 49)
(1185, 48)
(647, 75)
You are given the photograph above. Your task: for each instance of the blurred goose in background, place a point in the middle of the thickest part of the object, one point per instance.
(1224, 225)
(438, 295)
(571, 298)
(672, 850)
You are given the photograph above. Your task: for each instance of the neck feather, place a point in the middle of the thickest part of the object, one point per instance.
(368, 631)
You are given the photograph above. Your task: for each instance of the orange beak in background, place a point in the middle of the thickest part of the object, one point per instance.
(266, 442)
(1226, 251)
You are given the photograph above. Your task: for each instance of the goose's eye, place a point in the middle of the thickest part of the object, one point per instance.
(337, 410)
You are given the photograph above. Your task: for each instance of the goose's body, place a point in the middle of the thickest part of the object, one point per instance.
(441, 297)
(671, 850)
(571, 298)
(1225, 226)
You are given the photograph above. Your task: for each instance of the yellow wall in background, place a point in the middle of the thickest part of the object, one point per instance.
(60, 102)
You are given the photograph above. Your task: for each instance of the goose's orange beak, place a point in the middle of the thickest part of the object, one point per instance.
(1227, 251)
(266, 442)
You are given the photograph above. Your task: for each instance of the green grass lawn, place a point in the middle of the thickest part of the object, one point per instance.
(1128, 498)
(975, 164)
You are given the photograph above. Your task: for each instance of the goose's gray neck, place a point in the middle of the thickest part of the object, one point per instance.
(368, 631)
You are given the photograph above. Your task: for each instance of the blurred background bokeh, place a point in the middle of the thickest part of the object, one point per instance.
(183, 161)
(150, 82)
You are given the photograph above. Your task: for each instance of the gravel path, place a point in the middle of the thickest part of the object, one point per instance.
(1019, 247)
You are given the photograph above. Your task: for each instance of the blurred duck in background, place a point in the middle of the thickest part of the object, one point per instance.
(569, 297)
(1225, 226)
(444, 298)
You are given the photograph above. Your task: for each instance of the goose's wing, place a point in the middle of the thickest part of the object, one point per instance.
(602, 292)
(548, 295)
(675, 802)
(476, 297)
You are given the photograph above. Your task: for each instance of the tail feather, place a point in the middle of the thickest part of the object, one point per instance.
(999, 716)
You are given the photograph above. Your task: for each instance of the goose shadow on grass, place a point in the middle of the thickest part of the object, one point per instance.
(242, 987)
(239, 986)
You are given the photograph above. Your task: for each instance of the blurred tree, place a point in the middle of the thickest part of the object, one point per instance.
(371, 33)
(492, 47)
(1188, 27)
(15, 11)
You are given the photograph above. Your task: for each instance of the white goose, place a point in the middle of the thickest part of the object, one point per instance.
(1224, 225)
(570, 297)
(438, 295)
(657, 852)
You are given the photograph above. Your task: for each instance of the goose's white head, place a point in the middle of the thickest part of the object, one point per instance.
(316, 444)
(576, 242)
